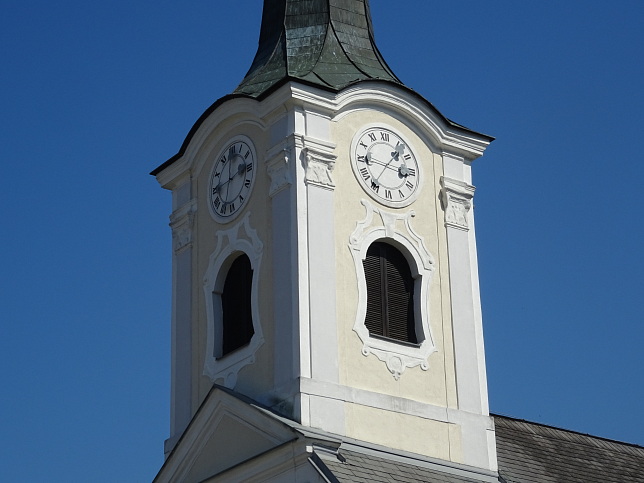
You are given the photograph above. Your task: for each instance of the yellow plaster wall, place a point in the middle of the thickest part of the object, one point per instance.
(408, 433)
(258, 377)
(437, 385)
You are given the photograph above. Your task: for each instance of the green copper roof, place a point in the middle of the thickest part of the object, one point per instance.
(323, 42)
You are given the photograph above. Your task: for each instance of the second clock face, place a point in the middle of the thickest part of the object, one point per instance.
(385, 166)
(232, 179)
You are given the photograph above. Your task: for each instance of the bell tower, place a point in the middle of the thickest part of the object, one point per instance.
(324, 259)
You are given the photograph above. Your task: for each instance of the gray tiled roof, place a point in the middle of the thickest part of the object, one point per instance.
(328, 43)
(527, 453)
(530, 452)
(360, 467)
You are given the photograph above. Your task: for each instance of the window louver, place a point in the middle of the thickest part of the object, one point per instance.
(390, 294)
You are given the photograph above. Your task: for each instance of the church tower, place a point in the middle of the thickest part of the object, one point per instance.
(325, 288)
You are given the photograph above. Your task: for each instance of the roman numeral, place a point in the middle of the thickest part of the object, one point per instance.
(412, 172)
(372, 136)
(247, 154)
(362, 159)
(409, 185)
(363, 145)
(365, 173)
(232, 151)
(247, 183)
(407, 157)
(241, 199)
(384, 136)
(375, 186)
(388, 194)
(400, 194)
(217, 202)
(249, 167)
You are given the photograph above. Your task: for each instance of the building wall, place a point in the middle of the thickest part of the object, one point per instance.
(306, 207)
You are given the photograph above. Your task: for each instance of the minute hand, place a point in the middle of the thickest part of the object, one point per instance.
(395, 156)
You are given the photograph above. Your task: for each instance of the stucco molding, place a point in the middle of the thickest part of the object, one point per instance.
(395, 228)
(278, 168)
(181, 223)
(401, 104)
(318, 159)
(456, 199)
(240, 238)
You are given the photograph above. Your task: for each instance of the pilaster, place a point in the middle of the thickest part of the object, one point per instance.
(456, 198)
(181, 223)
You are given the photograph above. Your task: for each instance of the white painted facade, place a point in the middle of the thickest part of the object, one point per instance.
(306, 228)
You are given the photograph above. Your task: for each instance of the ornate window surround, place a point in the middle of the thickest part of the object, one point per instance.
(396, 355)
(230, 244)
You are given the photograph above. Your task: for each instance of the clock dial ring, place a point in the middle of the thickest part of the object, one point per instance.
(386, 166)
(231, 179)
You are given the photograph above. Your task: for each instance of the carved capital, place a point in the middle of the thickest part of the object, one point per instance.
(279, 170)
(319, 161)
(456, 199)
(181, 222)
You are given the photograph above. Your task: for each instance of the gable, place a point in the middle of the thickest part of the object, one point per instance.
(225, 431)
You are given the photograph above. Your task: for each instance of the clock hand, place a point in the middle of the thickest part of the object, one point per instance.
(403, 170)
(240, 169)
(395, 155)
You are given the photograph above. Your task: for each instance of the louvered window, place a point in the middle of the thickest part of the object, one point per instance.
(236, 306)
(390, 294)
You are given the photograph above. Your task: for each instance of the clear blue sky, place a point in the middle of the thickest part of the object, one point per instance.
(94, 95)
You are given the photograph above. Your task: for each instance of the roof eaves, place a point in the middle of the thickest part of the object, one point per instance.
(274, 87)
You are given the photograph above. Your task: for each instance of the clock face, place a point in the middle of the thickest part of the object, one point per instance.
(385, 166)
(232, 179)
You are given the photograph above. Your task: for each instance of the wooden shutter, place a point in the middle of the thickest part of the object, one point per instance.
(390, 294)
(236, 306)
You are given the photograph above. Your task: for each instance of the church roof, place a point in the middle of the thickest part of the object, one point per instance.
(527, 452)
(534, 453)
(327, 43)
(359, 466)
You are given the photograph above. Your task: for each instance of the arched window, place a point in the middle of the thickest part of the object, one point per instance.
(237, 319)
(390, 294)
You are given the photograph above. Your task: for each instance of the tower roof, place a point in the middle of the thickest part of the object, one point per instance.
(328, 43)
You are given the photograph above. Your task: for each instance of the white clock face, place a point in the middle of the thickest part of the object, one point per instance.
(385, 166)
(232, 179)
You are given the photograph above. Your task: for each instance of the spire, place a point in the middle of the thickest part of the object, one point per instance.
(328, 43)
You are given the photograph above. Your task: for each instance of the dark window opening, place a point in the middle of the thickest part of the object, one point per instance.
(390, 294)
(236, 306)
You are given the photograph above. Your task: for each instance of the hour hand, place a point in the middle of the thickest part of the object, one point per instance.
(400, 148)
(241, 168)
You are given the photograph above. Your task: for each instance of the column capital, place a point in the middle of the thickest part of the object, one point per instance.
(456, 198)
(181, 221)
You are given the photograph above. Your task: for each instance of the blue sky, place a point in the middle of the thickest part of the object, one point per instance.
(94, 95)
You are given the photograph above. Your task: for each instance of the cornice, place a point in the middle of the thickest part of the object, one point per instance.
(399, 100)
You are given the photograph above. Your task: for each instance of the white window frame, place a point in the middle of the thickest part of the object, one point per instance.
(231, 243)
(397, 356)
